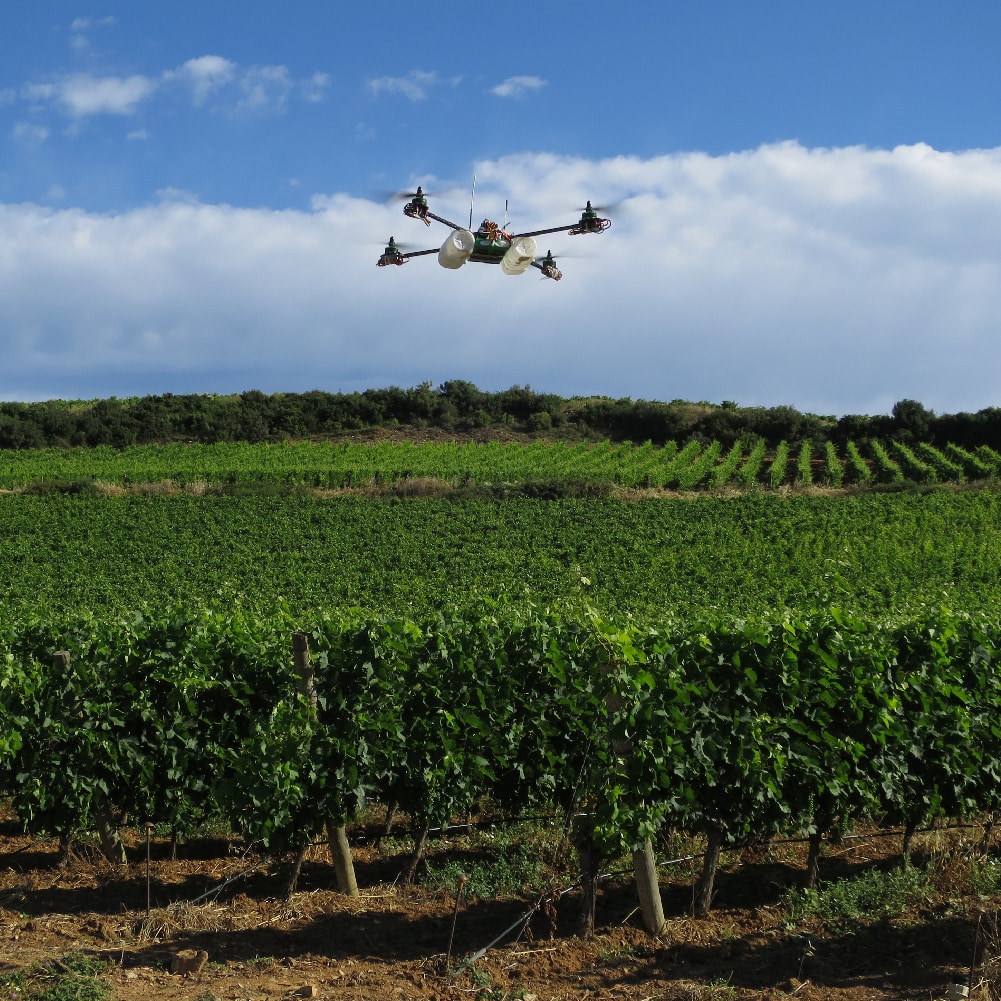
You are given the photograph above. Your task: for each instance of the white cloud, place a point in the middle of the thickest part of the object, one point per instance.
(82, 94)
(204, 75)
(837, 280)
(314, 89)
(29, 135)
(87, 23)
(518, 86)
(207, 78)
(137, 135)
(264, 88)
(414, 86)
(78, 38)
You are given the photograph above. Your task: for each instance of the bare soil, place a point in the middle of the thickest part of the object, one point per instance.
(390, 943)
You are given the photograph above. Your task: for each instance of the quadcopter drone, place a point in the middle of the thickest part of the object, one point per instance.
(490, 244)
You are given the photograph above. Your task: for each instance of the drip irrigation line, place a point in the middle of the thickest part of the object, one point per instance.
(26, 848)
(488, 823)
(523, 920)
(892, 833)
(472, 824)
(216, 890)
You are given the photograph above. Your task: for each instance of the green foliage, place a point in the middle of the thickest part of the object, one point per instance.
(747, 474)
(74, 977)
(693, 665)
(858, 469)
(870, 896)
(887, 469)
(727, 469)
(804, 469)
(834, 470)
(985, 877)
(62, 555)
(779, 465)
(516, 871)
(736, 727)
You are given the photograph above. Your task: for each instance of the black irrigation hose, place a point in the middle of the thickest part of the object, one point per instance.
(527, 916)
(26, 848)
(523, 920)
(470, 825)
(215, 891)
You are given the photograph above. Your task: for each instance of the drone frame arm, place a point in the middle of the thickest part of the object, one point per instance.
(419, 253)
(546, 232)
(438, 218)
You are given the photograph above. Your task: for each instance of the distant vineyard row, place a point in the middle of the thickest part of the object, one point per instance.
(692, 466)
(873, 551)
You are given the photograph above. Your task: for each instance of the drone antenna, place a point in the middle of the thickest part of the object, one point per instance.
(505, 213)
(472, 197)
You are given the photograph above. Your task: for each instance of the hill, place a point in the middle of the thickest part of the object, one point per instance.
(459, 407)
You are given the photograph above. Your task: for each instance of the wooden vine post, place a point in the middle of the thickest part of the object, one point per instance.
(337, 836)
(644, 862)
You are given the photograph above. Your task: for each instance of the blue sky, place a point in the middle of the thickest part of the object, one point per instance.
(806, 198)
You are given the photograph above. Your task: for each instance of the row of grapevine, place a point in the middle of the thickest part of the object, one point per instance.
(60, 554)
(735, 728)
(331, 465)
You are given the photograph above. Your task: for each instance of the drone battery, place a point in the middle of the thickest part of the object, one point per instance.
(520, 255)
(456, 249)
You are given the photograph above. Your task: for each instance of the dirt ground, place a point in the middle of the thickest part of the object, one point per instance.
(391, 942)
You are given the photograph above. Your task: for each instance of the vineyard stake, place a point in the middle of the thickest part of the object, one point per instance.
(149, 828)
(337, 835)
(644, 862)
(455, 915)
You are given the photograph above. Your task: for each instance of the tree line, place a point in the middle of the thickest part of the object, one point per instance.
(460, 406)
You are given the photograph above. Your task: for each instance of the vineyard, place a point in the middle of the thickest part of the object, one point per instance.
(873, 553)
(784, 724)
(339, 465)
(745, 660)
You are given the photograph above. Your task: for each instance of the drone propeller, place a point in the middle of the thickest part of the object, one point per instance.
(560, 254)
(396, 253)
(397, 244)
(602, 210)
(387, 195)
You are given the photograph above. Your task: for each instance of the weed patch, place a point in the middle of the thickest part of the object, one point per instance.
(872, 896)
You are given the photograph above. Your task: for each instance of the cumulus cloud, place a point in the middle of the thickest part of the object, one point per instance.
(82, 94)
(264, 87)
(314, 88)
(87, 23)
(518, 86)
(209, 79)
(414, 86)
(81, 25)
(204, 75)
(836, 280)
